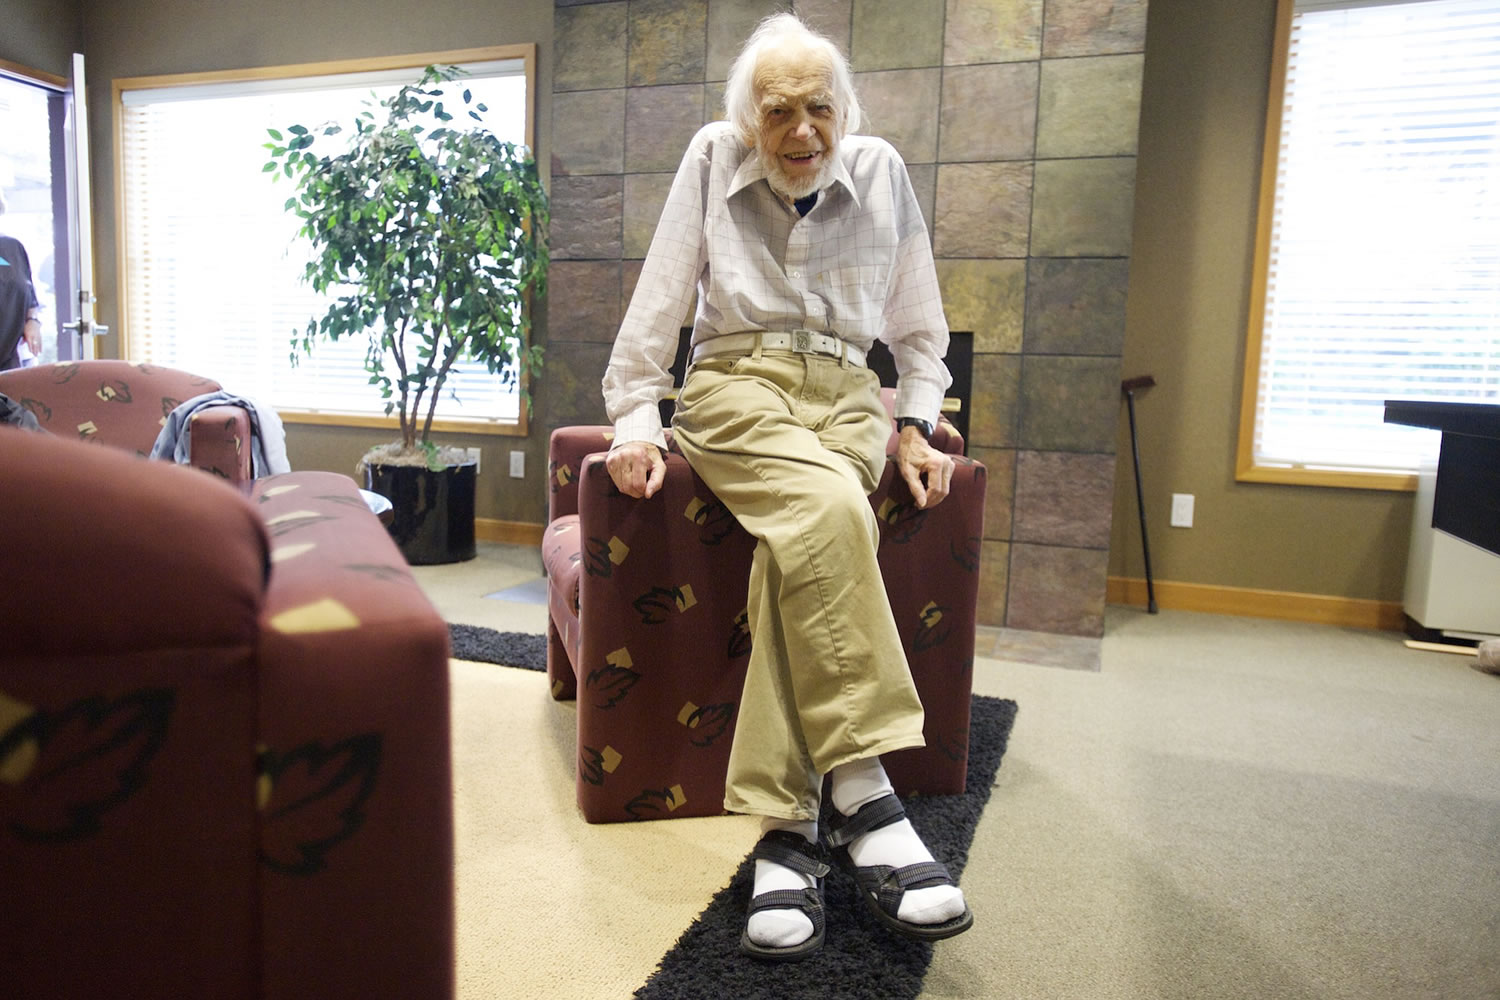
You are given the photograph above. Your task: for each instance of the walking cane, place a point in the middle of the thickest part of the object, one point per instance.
(1129, 387)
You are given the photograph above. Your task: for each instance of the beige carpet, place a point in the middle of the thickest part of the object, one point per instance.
(551, 907)
(1228, 808)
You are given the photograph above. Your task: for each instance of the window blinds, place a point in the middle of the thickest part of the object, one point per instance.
(1383, 274)
(213, 264)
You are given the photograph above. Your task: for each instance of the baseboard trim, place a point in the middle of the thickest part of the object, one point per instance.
(1350, 612)
(489, 529)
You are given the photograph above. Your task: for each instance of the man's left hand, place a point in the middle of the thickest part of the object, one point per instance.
(926, 470)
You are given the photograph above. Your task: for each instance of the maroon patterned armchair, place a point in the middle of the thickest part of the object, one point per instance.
(224, 741)
(647, 626)
(123, 404)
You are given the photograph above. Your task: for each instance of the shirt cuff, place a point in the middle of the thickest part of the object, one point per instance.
(918, 399)
(641, 424)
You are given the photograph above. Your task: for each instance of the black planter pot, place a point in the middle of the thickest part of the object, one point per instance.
(433, 511)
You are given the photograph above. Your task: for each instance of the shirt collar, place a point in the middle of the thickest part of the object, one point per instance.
(751, 170)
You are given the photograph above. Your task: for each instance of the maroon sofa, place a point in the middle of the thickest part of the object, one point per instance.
(224, 741)
(647, 625)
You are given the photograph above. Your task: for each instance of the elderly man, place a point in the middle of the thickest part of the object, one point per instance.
(804, 243)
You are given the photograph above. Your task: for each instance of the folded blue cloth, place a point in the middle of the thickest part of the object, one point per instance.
(267, 436)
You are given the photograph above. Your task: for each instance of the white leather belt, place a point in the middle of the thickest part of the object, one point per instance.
(797, 341)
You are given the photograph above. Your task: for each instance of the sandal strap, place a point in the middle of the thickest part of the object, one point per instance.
(890, 884)
(805, 900)
(871, 816)
(790, 850)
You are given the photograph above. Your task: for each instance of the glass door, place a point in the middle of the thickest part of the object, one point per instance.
(46, 198)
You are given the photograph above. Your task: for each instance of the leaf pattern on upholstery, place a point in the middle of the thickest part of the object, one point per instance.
(313, 798)
(713, 519)
(651, 802)
(655, 604)
(739, 636)
(597, 560)
(708, 723)
(90, 756)
(610, 684)
(115, 391)
(905, 520)
(966, 552)
(931, 630)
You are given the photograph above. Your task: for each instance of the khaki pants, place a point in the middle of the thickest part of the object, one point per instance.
(793, 444)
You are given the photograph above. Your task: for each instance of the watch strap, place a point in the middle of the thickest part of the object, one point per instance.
(921, 425)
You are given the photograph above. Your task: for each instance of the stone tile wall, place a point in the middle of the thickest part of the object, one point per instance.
(1018, 122)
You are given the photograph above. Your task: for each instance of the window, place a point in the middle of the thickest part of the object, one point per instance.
(212, 265)
(1378, 257)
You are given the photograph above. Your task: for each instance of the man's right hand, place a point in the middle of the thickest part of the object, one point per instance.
(637, 468)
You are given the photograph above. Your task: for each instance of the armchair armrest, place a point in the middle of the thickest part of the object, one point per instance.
(220, 443)
(105, 552)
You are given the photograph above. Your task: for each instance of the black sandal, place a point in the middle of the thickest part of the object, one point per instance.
(792, 851)
(883, 886)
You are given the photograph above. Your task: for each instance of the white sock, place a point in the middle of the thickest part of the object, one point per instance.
(781, 928)
(863, 781)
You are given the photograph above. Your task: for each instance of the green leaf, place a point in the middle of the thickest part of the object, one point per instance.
(268, 167)
(297, 130)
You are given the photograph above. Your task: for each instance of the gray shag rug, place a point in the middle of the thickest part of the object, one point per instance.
(860, 958)
(510, 649)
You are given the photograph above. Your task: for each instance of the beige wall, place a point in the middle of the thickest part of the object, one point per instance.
(40, 34)
(126, 38)
(1202, 122)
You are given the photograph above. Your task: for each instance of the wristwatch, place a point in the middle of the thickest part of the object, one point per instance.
(921, 425)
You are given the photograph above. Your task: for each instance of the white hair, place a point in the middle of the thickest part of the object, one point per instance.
(740, 103)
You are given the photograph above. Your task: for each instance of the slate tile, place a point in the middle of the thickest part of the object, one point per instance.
(583, 301)
(668, 42)
(1056, 589)
(1076, 305)
(586, 217)
(896, 34)
(898, 107)
(1064, 498)
(659, 124)
(992, 31)
(586, 49)
(1089, 107)
(1094, 27)
(987, 298)
(983, 209)
(588, 132)
(1069, 404)
(989, 112)
(994, 400)
(1083, 208)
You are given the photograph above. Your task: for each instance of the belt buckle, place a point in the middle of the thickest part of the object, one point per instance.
(802, 341)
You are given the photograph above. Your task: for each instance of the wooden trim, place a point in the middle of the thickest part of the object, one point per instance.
(1344, 478)
(489, 529)
(525, 51)
(450, 426)
(28, 75)
(1265, 211)
(1323, 609)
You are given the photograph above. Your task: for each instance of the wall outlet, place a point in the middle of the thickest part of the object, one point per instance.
(1182, 510)
(518, 465)
(472, 454)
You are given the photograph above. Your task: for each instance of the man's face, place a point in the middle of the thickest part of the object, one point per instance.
(799, 123)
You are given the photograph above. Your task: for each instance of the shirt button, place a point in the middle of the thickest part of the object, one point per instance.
(796, 274)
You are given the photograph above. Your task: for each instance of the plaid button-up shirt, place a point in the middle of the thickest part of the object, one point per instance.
(858, 266)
